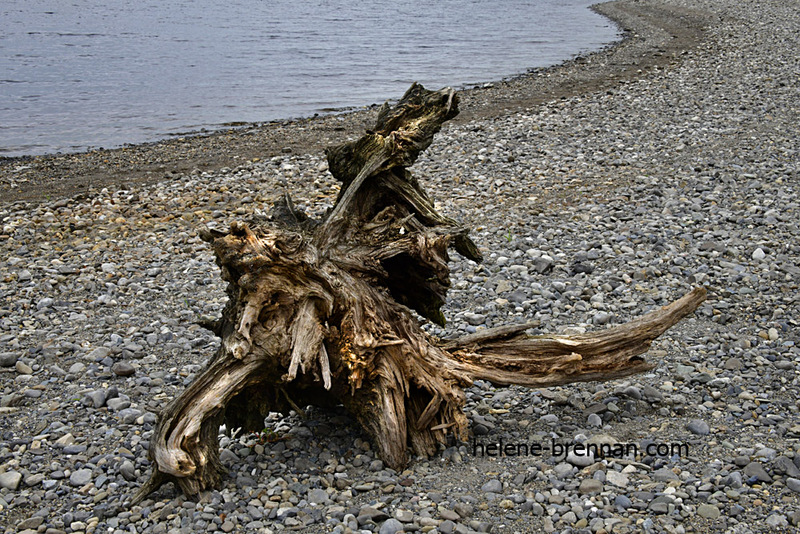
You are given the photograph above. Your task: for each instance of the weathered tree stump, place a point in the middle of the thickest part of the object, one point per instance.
(320, 313)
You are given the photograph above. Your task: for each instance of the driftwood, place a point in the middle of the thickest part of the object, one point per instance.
(319, 313)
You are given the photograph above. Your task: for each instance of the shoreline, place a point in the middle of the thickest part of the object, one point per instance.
(589, 211)
(652, 36)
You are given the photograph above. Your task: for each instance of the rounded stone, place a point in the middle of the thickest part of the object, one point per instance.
(493, 486)
(7, 359)
(81, 477)
(594, 420)
(581, 460)
(709, 511)
(10, 480)
(123, 369)
(756, 470)
(699, 427)
(127, 470)
(318, 496)
(391, 526)
(622, 501)
(23, 368)
(590, 485)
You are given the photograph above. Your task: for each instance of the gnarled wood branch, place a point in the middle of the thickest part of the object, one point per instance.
(320, 313)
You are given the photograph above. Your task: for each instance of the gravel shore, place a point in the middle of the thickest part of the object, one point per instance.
(610, 193)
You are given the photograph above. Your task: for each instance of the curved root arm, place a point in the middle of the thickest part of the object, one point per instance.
(504, 357)
(185, 446)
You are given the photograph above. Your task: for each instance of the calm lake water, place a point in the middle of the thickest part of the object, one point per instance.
(76, 74)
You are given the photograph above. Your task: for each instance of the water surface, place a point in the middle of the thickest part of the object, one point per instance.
(76, 74)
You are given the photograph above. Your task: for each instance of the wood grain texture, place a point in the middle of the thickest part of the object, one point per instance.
(319, 312)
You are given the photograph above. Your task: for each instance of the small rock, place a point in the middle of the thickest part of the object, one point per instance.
(699, 427)
(444, 513)
(517, 296)
(127, 470)
(81, 477)
(601, 318)
(734, 480)
(793, 484)
(391, 526)
(463, 509)
(684, 370)
(580, 460)
(228, 457)
(543, 264)
(34, 480)
(74, 449)
(777, 521)
(123, 369)
(493, 486)
(709, 511)
(590, 485)
(651, 394)
(549, 419)
(664, 475)
(784, 466)
(632, 392)
(563, 470)
(10, 480)
(658, 507)
(66, 439)
(475, 319)
(376, 465)
(755, 469)
(7, 359)
(733, 364)
(98, 398)
(759, 254)
(98, 354)
(318, 496)
(504, 286)
(617, 478)
(578, 268)
(404, 516)
(116, 404)
(622, 501)
(368, 513)
(31, 523)
(480, 429)
(772, 333)
(569, 518)
(23, 368)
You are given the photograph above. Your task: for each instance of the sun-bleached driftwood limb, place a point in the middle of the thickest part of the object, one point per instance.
(319, 312)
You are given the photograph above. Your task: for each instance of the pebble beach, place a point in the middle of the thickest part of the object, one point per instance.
(597, 191)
